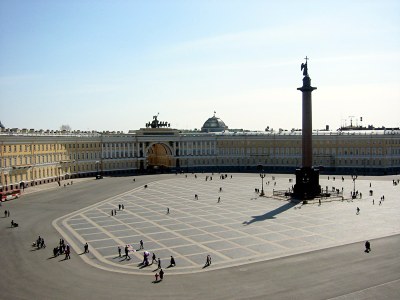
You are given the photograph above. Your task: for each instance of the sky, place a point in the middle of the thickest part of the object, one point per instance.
(113, 65)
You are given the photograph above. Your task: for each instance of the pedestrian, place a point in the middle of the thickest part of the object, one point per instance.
(319, 201)
(115, 212)
(141, 244)
(208, 260)
(112, 212)
(5, 214)
(86, 248)
(119, 206)
(159, 264)
(161, 274)
(153, 258)
(119, 251)
(156, 275)
(127, 252)
(167, 210)
(123, 207)
(219, 199)
(67, 252)
(373, 201)
(358, 211)
(367, 247)
(172, 263)
(42, 244)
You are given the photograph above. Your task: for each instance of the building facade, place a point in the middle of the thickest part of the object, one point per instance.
(30, 157)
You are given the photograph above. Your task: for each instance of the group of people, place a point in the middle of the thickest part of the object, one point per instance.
(114, 211)
(39, 243)
(63, 248)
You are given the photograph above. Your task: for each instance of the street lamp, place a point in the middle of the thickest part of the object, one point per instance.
(354, 177)
(262, 176)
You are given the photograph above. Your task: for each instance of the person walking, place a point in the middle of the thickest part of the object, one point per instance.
(358, 211)
(161, 274)
(119, 251)
(172, 263)
(141, 244)
(67, 252)
(156, 275)
(153, 258)
(127, 252)
(208, 260)
(159, 264)
(86, 248)
(367, 247)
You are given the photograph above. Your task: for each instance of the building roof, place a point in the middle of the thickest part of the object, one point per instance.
(214, 124)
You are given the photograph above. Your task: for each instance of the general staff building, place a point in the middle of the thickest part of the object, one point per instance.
(32, 157)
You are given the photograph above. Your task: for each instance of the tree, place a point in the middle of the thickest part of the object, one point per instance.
(65, 127)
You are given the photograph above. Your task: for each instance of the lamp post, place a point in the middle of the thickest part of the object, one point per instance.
(354, 177)
(262, 176)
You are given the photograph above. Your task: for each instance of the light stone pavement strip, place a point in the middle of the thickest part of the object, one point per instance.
(242, 228)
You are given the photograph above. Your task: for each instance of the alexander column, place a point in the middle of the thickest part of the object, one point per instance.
(307, 178)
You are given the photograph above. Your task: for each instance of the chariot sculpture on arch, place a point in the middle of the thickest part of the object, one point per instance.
(157, 124)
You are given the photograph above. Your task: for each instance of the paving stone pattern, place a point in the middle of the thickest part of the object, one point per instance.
(242, 228)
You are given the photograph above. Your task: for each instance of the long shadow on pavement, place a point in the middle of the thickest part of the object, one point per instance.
(271, 214)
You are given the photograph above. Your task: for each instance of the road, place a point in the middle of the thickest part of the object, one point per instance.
(343, 272)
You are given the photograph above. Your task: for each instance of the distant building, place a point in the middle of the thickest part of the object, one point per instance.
(214, 124)
(30, 157)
